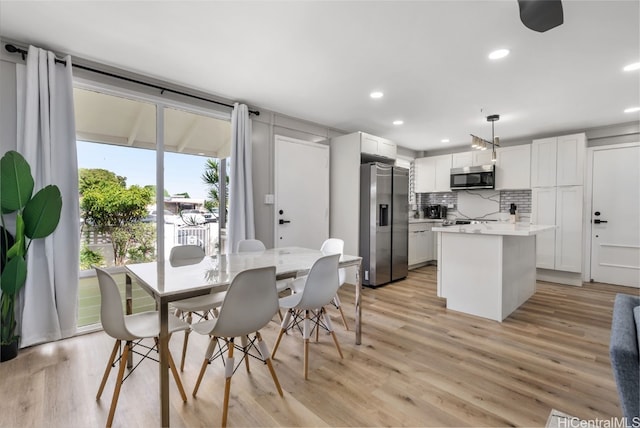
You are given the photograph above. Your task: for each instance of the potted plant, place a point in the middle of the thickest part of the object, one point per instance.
(36, 216)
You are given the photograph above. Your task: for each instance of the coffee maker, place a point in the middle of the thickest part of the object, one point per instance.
(435, 211)
(432, 211)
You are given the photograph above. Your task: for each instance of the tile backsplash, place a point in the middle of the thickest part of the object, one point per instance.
(490, 204)
(522, 199)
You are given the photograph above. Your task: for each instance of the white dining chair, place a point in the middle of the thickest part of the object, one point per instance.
(246, 245)
(255, 245)
(307, 306)
(331, 246)
(203, 307)
(250, 304)
(130, 329)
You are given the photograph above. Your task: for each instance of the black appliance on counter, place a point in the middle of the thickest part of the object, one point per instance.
(435, 211)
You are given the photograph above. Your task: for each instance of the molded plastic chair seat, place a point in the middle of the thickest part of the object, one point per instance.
(146, 324)
(130, 329)
(200, 303)
(250, 304)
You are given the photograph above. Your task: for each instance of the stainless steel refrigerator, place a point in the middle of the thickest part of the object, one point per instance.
(384, 223)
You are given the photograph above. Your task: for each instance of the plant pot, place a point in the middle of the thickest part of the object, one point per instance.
(9, 352)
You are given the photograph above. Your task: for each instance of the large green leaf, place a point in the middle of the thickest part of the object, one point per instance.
(42, 213)
(14, 275)
(19, 247)
(16, 182)
(6, 242)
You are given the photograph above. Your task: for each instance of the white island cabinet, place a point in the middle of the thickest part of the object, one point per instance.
(487, 270)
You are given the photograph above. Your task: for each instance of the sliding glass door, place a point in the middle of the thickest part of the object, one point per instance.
(124, 219)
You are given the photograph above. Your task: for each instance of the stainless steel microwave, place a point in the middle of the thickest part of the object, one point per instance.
(473, 177)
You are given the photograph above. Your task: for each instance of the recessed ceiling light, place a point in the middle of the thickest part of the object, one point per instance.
(446, 140)
(376, 94)
(500, 53)
(398, 122)
(632, 67)
(632, 109)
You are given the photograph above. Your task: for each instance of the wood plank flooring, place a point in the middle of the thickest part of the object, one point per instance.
(418, 365)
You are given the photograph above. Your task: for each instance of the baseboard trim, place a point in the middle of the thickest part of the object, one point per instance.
(559, 277)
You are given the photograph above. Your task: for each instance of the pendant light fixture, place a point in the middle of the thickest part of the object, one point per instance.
(482, 144)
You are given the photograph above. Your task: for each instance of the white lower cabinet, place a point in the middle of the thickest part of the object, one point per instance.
(421, 243)
(559, 249)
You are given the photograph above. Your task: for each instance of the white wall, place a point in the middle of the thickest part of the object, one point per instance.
(7, 106)
(265, 128)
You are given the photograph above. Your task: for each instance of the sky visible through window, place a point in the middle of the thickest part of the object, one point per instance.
(182, 172)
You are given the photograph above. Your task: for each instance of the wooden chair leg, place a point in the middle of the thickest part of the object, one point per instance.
(184, 349)
(116, 390)
(244, 341)
(265, 354)
(283, 329)
(205, 363)
(317, 326)
(176, 376)
(306, 344)
(227, 384)
(338, 304)
(330, 327)
(107, 370)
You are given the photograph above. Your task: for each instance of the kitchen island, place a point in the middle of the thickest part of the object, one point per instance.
(487, 270)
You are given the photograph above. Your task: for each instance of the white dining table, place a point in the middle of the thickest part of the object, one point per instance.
(168, 283)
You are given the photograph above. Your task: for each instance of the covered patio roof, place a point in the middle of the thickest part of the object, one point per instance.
(103, 118)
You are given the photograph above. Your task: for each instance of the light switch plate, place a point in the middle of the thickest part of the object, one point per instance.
(269, 199)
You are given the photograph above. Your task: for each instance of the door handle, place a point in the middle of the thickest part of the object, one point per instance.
(598, 221)
(281, 221)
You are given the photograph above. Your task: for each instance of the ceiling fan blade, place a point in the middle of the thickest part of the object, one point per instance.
(541, 15)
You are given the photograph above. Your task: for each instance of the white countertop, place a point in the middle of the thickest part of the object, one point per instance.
(508, 229)
(425, 220)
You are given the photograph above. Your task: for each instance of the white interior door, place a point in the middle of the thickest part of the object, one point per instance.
(302, 193)
(615, 216)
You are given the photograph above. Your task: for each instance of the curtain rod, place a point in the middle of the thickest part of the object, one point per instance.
(13, 49)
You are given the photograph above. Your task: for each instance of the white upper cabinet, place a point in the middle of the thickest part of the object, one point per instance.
(513, 167)
(378, 146)
(473, 158)
(460, 160)
(443, 173)
(558, 161)
(570, 164)
(543, 162)
(481, 157)
(433, 174)
(424, 175)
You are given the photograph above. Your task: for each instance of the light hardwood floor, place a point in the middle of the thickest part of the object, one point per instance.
(418, 365)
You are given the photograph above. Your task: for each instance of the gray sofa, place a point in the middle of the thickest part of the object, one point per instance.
(625, 357)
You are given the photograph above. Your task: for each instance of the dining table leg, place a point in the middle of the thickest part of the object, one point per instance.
(129, 310)
(163, 345)
(359, 304)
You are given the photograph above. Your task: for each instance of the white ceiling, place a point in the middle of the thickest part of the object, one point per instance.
(319, 60)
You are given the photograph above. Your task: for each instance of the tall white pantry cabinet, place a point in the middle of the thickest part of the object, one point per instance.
(557, 197)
